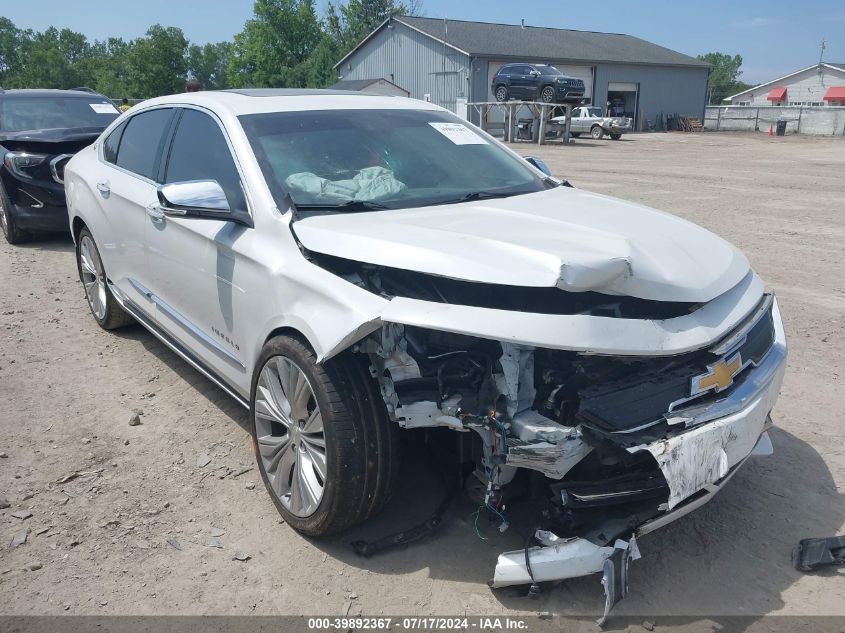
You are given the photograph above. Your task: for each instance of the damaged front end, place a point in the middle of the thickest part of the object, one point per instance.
(616, 445)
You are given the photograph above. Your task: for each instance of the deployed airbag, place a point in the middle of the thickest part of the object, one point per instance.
(371, 183)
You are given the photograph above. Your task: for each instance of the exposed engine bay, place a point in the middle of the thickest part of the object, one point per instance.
(589, 449)
(582, 433)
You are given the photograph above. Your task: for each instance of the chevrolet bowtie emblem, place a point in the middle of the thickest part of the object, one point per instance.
(719, 375)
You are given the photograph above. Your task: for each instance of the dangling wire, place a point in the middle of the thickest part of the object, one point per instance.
(477, 514)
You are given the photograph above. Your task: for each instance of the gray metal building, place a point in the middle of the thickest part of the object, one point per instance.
(452, 62)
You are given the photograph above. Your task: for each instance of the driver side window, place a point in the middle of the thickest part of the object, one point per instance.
(199, 152)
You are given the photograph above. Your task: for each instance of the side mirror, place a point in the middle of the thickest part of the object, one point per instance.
(539, 164)
(197, 198)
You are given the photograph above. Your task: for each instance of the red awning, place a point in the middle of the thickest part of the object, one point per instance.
(777, 94)
(837, 93)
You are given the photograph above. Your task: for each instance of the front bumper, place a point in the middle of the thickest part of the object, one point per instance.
(45, 218)
(569, 94)
(696, 463)
(37, 205)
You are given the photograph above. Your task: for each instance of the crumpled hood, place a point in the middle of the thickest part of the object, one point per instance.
(55, 135)
(564, 237)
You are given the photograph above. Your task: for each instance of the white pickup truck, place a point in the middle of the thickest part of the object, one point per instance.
(590, 120)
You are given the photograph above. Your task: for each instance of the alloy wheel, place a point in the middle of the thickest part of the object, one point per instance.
(501, 94)
(289, 433)
(4, 222)
(93, 278)
(548, 94)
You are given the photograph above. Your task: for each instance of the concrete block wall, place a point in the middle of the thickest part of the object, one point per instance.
(821, 121)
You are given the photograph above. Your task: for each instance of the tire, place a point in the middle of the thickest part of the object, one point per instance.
(575, 134)
(597, 133)
(8, 226)
(615, 137)
(337, 462)
(502, 93)
(547, 94)
(105, 309)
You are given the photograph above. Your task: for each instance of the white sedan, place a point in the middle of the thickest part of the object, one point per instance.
(347, 266)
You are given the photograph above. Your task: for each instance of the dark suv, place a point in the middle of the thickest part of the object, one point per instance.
(39, 131)
(536, 82)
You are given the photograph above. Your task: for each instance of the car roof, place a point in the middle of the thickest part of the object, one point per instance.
(289, 92)
(44, 92)
(265, 100)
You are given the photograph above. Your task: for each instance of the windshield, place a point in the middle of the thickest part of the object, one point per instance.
(19, 114)
(386, 158)
(595, 112)
(548, 70)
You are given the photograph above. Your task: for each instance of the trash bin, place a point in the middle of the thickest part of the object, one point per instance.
(781, 127)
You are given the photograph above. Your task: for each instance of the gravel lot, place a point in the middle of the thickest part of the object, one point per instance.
(121, 514)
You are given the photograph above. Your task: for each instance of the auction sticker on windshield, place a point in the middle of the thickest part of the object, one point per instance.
(457, 133)
(103, 108)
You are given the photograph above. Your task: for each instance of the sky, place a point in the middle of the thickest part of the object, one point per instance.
(774, 37)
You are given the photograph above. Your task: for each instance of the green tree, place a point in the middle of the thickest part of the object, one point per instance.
(51, 59)
(109, 65)
(275, 45)
(157, 64)
(319, 71)
(361, 17)
(10, 47)
(724, 76)
(209, 63)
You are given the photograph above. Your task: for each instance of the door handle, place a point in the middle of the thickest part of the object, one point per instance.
(155, 212)
(103, 188)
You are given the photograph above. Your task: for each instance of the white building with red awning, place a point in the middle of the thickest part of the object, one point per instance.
(818, 85)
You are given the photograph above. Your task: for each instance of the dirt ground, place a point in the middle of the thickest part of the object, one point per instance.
(121, 515)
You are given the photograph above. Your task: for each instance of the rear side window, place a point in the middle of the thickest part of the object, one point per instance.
(112, 143)
(141, 142)
(200, 152)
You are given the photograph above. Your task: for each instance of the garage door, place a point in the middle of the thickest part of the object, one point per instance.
(621, 86)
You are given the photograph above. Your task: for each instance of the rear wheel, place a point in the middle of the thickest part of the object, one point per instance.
(547, 95)
(575, 134)
(325, 449)
(596, 132)
(501, 93)
(10, 230)
(104, 307)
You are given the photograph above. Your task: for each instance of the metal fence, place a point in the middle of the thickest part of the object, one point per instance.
(818, 120)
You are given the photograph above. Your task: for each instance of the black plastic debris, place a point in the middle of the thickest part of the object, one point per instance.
(813, 553)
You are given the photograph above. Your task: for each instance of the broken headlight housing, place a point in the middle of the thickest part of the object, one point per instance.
(23, 164)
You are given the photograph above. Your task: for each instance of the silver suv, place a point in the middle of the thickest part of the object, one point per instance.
(348, 266)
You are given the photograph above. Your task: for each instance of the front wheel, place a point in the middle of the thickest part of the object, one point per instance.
(104, 307)
(10, 230)
(597, 133)
(547, 95)
(501, 94)
(325, 449)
